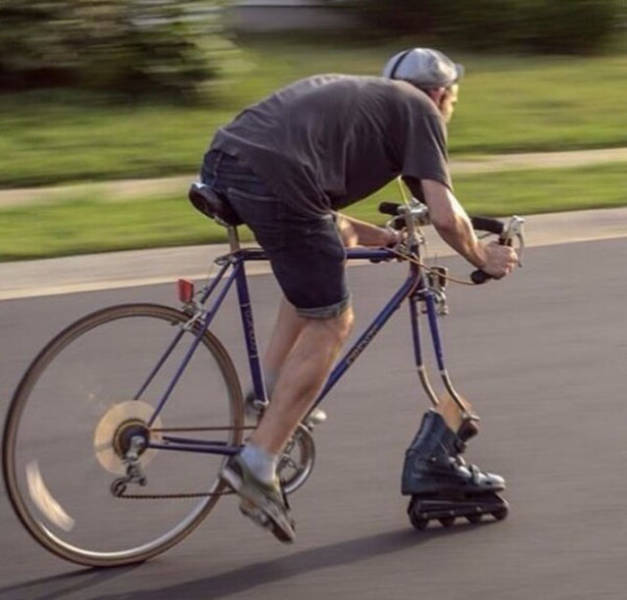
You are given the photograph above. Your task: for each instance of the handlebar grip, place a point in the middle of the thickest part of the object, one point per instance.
(389, 208)
(478, 277)
(493, 226)
(488, 224)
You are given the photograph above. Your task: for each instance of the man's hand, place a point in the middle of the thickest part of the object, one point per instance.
(499, 260)
(359, 233)
(393, 237)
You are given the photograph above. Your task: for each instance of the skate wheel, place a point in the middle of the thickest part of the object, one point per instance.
(500, 514)
(447, 521)
(416, 519)
(419, 523)
(474, 518)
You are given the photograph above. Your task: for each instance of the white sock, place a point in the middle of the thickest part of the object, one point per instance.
(261, 463)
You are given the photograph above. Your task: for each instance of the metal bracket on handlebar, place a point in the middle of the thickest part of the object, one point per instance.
(436, 280)
(411, 217)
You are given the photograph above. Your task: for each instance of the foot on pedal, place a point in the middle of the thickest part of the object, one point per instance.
(265, 504)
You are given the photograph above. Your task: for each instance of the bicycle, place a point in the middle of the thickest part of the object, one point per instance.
(122, 440)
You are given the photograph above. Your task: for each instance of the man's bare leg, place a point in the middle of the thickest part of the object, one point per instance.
(289, 324)
(286, 330)
(302, 374)
(252, 473)
(301, 351)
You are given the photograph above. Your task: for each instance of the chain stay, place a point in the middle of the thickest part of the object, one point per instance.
(183, 495)
(181, 429)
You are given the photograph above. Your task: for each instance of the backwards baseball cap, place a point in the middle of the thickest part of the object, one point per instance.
(424, 67)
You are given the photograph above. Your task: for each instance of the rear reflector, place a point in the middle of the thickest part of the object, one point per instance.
(185, 290)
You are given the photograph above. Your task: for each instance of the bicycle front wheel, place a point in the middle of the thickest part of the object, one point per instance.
(67, 430)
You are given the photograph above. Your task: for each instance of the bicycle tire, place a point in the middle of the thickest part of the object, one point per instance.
(44, 361)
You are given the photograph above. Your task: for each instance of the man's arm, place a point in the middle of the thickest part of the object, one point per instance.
(452, 223)
(359, 233)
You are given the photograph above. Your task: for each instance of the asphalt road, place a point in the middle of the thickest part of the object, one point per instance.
(542, 357)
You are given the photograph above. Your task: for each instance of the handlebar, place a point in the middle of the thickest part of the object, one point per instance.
(417, 213)
(487, 224)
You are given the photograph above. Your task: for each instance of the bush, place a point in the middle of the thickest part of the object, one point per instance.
(570, 26)
(564, 26)
(482, 24)
(403, 16)
(124, 46)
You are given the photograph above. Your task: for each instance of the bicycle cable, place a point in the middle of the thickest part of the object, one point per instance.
(410, 258)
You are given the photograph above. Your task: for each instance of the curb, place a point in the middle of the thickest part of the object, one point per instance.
(92, 272)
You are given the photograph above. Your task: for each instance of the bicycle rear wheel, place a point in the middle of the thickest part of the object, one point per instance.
(64, 435)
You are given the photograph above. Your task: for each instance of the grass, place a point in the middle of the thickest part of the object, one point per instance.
(507, 103)
(99, 224)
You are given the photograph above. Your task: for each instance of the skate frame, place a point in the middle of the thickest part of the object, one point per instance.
(415, 289)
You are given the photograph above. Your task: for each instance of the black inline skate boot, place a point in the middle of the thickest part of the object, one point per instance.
(441, 484)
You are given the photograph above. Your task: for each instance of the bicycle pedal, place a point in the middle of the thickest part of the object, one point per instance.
(316, 417)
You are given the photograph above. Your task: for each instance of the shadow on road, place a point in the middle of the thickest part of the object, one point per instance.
(59, 586)
(262, 573)
(240, 579)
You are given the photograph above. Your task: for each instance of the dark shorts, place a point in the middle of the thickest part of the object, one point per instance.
(306, 253)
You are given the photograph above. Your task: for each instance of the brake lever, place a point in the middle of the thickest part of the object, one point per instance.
(515, 229)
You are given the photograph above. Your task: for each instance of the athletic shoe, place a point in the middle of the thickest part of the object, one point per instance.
(264, 503)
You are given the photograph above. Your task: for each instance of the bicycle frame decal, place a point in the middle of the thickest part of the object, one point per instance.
(364, 340)
(249, 332)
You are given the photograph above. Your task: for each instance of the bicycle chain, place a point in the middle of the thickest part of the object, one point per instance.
(172, 496)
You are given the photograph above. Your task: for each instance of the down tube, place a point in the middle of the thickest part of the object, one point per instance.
(367, 336)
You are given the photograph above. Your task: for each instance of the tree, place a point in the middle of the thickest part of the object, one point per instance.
(128, 46)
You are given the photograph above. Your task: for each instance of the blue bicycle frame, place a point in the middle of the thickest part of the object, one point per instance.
(414, 289)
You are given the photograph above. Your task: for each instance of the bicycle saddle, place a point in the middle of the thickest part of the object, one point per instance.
(211, 205)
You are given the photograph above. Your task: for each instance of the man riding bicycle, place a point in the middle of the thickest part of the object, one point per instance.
(286, 166)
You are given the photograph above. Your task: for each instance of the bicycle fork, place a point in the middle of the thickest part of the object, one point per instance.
(430, 299)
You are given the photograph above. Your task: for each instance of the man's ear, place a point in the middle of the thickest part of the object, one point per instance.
(436, 94)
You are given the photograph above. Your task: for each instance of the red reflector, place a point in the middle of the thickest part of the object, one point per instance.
(185, 289)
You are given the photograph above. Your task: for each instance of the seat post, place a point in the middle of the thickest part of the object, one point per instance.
(233, 238)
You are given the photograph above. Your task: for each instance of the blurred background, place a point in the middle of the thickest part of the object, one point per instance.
(106, 106)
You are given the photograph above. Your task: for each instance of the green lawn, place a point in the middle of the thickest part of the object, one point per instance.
(507, 103)
(99, 224)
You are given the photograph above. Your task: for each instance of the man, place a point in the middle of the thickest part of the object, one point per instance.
(286, 165)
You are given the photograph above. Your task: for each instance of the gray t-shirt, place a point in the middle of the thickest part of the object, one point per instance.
(327, 141)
